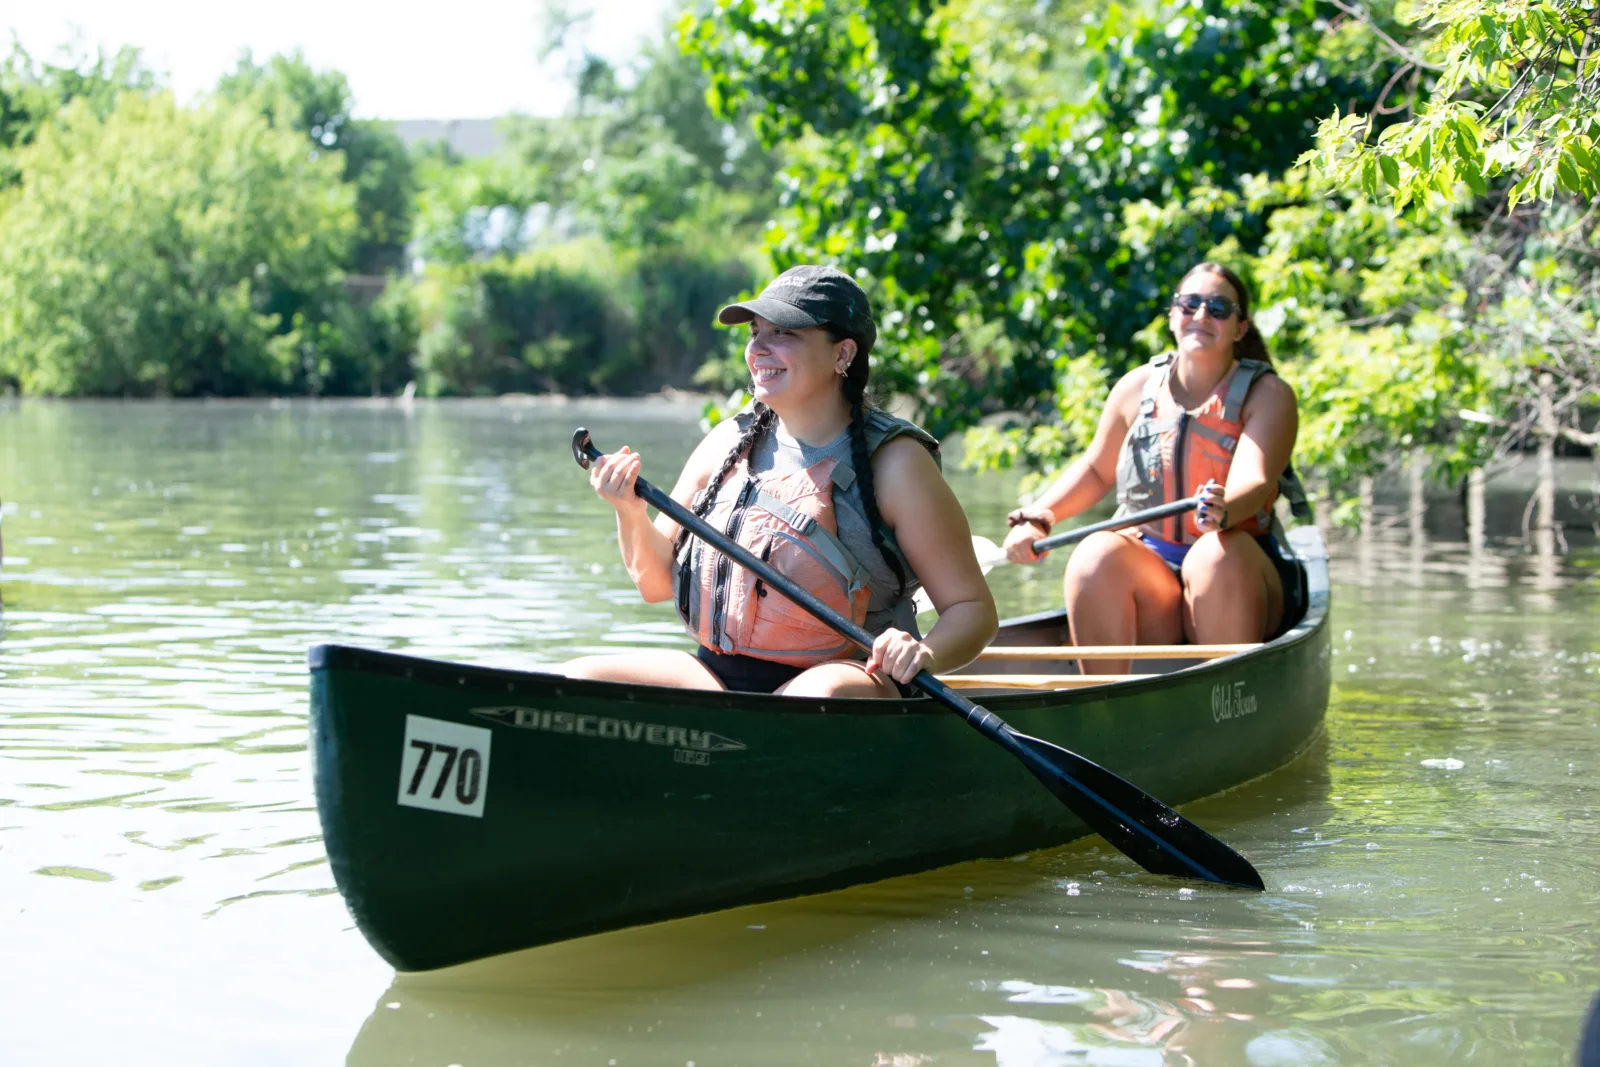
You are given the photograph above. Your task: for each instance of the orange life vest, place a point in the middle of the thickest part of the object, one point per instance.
(1170, 452)
(788, 521)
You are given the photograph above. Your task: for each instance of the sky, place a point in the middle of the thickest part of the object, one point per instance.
(462, 59)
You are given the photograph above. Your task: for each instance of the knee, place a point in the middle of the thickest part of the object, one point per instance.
(596, 668)
(836, 680)
(1205, 553)
(1096, 560)
(1214, 557)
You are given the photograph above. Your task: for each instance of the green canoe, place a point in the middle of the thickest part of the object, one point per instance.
(469, 811)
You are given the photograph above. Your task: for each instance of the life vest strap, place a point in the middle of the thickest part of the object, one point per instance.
(1153, 383)
(882, 427)
(829, 547)
(1292, 490)
(1225, 441)
(802, 523)
(1244, 376)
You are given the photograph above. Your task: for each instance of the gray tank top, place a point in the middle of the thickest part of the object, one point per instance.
(778, 453)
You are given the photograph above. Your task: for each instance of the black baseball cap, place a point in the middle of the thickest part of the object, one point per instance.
(810, 295)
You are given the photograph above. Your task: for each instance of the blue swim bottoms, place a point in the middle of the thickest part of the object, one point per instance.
(1171, 552)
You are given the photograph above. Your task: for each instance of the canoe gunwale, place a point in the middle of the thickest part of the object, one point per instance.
(344, 657)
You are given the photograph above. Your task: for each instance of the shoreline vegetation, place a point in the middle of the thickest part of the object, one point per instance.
(1410, 191)
(667, 396)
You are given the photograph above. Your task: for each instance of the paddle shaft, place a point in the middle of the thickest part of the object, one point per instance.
(981, 718)
(988, 558)
(1137, 518)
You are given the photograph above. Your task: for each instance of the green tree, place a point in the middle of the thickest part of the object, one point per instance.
(32, 91)
(640, 157)
(142, 250)
(592, 253)
(1508, 141)
(468, 208)
(1022, 206)
(991, 225)
(581, 317)
(290, 93)
(1365, 308)
(1516, 96)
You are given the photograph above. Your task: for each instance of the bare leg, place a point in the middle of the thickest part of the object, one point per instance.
(660, 667)
(1119, 592)
(1231, 591)
(841, 678)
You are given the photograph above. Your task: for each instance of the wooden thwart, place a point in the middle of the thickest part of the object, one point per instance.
(1039, 653)
(1102, 652)
(1035, 681)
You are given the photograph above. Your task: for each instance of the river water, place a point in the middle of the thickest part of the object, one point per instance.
(1433, 860)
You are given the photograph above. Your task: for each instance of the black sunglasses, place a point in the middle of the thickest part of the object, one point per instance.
(1218, 307)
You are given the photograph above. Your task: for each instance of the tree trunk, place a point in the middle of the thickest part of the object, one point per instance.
(1545, 514)
(1475, 509)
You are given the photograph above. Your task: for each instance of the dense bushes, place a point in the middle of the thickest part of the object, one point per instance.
(152, 249)
(592, 254)
(576, 318)
(170, 250)
(266, 241)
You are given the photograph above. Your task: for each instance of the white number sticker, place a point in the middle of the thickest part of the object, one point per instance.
(444, 766)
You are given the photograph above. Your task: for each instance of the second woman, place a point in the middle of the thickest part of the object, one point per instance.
(1210, 419)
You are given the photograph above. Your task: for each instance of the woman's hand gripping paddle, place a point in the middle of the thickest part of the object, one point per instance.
(1152, 834)
(991, 555)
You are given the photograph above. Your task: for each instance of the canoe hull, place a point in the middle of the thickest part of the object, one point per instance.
(588, 806)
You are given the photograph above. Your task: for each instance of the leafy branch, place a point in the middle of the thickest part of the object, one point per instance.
(1517, 99)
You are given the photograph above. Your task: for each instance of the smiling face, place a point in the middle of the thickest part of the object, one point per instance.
(795, 369)
(1198, 333)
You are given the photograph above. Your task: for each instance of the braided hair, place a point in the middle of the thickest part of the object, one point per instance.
(759, 425)
(855, 389)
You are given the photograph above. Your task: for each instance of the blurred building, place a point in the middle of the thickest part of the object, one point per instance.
(468, 138)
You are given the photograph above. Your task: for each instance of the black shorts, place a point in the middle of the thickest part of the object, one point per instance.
(1292, 573)
(747, 674)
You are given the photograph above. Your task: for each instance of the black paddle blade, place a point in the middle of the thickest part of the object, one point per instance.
(1152, 834)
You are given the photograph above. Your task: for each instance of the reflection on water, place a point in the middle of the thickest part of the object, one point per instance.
(1433, 861)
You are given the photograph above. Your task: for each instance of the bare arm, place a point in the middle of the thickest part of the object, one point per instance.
(918, 504)
(1271, 422)
(1090, 476)
(647, 546)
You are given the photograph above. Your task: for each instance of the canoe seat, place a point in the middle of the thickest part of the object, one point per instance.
(1011, 661)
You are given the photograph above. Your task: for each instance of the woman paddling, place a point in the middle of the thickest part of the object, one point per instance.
(1211, 420)
(847, 500)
